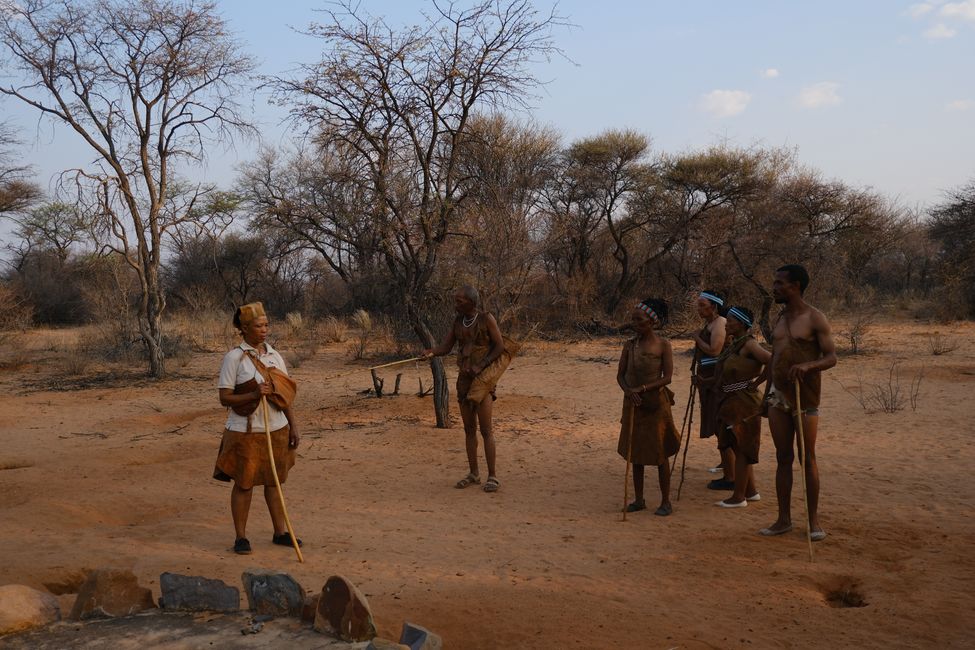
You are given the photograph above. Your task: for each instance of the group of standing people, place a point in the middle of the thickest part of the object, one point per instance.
(729, 366)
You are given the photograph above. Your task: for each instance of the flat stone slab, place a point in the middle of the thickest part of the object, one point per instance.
(111, 592)
(197, 594)
(273, 592)
(158, 628)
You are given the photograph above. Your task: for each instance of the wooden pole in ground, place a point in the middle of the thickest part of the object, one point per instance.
(277, 482)
(629, 457)
(802, 469)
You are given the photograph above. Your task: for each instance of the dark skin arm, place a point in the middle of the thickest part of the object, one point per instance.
(445, 346)
(712, 346)
(755, 350)
(824, 337)
(666, 375)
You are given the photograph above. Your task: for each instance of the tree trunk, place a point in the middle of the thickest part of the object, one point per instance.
(151, 320)
(441, 392)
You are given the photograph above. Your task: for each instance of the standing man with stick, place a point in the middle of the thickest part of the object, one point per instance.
(802, 347)
(244, 456)
(482, 357)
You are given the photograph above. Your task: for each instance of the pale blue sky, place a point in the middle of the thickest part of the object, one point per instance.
(877, 93)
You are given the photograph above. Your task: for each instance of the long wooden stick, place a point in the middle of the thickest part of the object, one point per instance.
(372, 368)
(802, 455)
(687, 443)
(396, 363)
(629, 458)
(277, 482)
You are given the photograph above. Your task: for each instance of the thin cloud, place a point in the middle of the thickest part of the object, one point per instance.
(824, 93)
(920, 9)
(725, 103)
(940, 32)
(964, 10)
(770, 73)
(960, 105)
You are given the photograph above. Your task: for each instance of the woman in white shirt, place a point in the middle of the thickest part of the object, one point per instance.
(243, 455)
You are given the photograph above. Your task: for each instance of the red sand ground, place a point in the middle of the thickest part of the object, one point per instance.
(119, 475)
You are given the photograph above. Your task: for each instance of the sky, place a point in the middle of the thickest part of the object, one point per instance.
(876, 93)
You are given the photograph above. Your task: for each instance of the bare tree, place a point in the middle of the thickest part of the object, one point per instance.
(397, 102)
(147, 84)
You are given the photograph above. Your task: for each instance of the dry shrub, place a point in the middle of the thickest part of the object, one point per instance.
(15, 358)
(296, 323)
(939, 344)
(887, 396)
(862, 315)
(114, 340)
(17, 313)
(303, 352)
(75, 363)
(204, 331)
(333, 330)
(373, 337)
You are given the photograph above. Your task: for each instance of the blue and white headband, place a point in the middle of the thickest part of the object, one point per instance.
(740, 315)
(713, 298)
(645, 308)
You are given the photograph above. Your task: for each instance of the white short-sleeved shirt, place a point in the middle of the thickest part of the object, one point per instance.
(237, 368)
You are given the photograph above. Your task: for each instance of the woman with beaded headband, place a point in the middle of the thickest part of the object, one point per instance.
(740, 370)
(708, 344)
(645, 369)
(243, 456)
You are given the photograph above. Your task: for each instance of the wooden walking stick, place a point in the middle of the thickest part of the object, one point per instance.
(629, 457)
(277, 482)
(802, 456)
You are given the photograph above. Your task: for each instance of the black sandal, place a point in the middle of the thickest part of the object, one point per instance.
(242, 546)
(284, 539)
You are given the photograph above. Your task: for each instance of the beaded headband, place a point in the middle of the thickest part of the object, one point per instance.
(713, 298)
(741, 316)
(645, 308)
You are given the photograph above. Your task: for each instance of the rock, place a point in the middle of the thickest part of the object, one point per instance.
(273, 592)
(22, 608)
(416, 637)
(110, 592)
(344, 611)
(309, 608)
(380, 643)
(197, 594)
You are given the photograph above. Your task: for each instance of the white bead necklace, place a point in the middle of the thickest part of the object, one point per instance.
(471, 322)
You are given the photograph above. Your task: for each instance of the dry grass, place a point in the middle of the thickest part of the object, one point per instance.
(333, 330)
(939, 344)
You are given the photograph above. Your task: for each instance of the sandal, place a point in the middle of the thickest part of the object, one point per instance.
(636, 506)
(492, 484)
(470, 479)
(664, 510)
(284, 539)
(242, 546)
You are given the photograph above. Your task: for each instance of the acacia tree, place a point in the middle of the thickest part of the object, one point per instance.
(507, 165)
(952, 226)
(147, 84)
(397, 103)
(16, 191)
